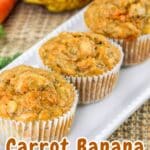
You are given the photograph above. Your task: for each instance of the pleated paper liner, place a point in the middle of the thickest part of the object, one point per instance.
(93, 89)
(38, 130)
(135, 51)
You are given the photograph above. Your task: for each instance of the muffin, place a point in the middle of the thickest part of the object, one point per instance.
(123, 21)
(87, 60)
(60, 5)
(35, 104)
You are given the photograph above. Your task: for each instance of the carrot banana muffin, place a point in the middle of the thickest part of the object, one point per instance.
(30, 94)
(80, 55)
(124, 21)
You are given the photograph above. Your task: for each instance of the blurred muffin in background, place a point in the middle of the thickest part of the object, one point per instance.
(60, 5)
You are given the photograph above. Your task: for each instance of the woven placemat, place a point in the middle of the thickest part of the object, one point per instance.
(28, 24)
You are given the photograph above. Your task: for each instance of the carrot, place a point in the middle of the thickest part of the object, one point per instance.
(5, 8)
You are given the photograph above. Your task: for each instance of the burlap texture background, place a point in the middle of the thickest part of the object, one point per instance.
(27, 24)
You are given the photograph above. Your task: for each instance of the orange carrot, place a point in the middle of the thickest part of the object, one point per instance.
(5, 8)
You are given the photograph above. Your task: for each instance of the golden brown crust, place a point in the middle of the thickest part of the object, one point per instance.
(117, 19)
(28, 94)
(79, 54)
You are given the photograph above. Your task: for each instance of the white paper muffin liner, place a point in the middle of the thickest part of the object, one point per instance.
(95, 88)
(136, 51)
(49, 130)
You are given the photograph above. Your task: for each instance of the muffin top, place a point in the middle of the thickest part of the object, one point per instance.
(28, 94)
(79, 54)
(117, 19)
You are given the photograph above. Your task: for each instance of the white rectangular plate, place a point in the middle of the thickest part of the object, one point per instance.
(98, 121)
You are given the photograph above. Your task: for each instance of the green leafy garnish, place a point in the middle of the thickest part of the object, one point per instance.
(2, 32)
(4, 61)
